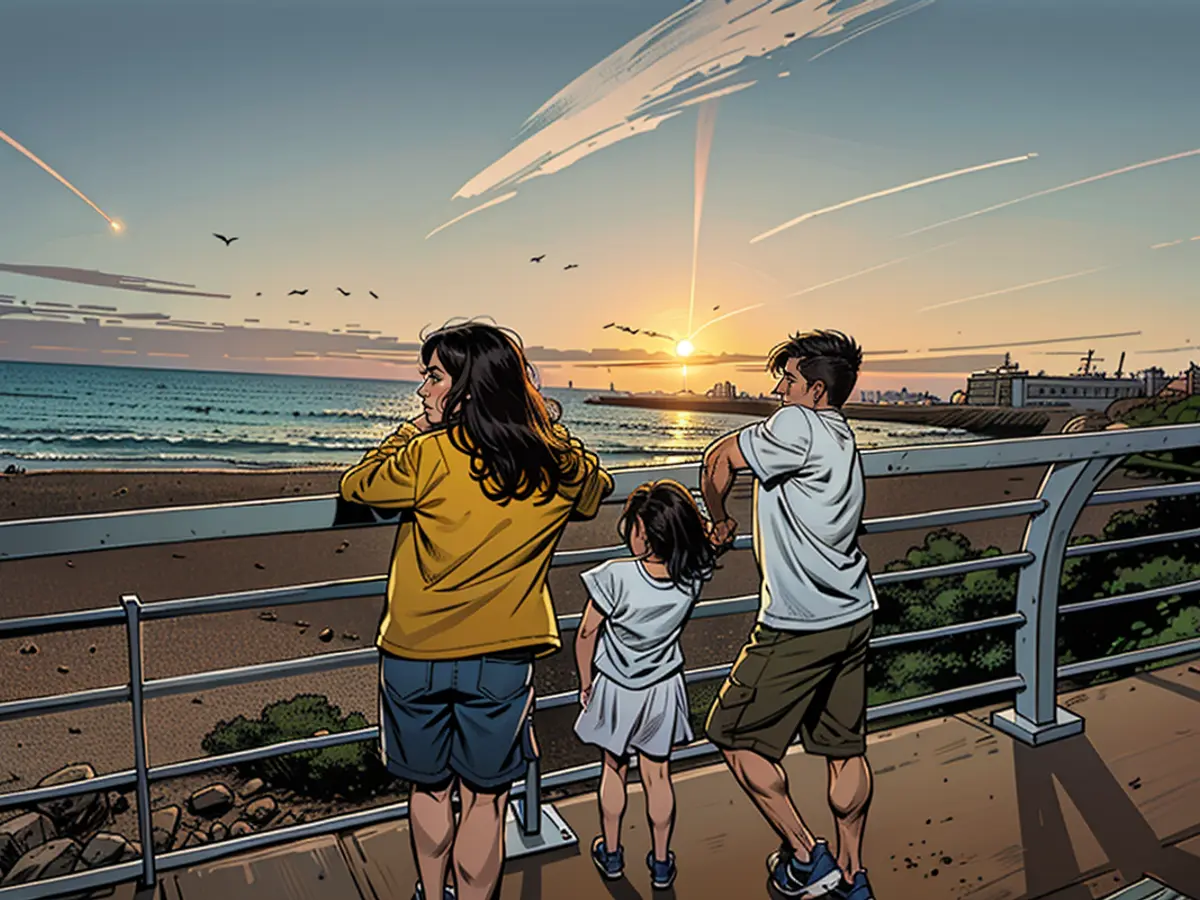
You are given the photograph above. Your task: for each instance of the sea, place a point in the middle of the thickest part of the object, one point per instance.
(57, 416)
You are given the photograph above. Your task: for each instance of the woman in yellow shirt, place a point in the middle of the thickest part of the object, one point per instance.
(487, 484)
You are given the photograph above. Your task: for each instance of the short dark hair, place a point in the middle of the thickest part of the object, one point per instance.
(829, 357)
(675, 530)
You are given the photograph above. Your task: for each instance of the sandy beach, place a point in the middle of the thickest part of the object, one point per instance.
(97, 657)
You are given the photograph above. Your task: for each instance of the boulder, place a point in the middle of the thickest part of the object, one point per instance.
(252, 787)
(164, 825)
(20, 835)
(50, 860)
(219, 831)
(77, 814)
(241, 827)
(262, 810)
(105, 850)
(212, 801)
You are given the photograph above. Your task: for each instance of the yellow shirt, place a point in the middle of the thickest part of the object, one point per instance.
(468, 576)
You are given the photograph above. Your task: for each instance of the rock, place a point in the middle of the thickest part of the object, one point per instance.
(240, 828)
(262, 810)
(20, 835)
(268, 616)
(80, 813)
(50, 860)
(219, 831)
(288, 818)
(349, 636)
(104, 850)
(117, 802)
(252, 787)
(189, 838)
(326, 635)
(29, 649)
(63, 670)
(164, 825)
(320, 732)
(211, 801)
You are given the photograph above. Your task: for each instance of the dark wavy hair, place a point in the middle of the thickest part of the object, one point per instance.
(675, 531)
(827, 356)
(495, 414)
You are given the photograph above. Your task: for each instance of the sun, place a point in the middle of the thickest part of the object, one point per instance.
(684, 348)
(116, 226)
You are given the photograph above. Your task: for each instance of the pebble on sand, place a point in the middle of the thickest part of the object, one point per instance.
(64, 670)
(326, 635)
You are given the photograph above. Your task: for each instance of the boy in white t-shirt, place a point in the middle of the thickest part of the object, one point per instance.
(804, 667)
(630, 663)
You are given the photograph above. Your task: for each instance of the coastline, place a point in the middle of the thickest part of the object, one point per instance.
(992, 421)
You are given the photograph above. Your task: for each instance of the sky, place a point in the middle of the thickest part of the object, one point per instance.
(332, 137)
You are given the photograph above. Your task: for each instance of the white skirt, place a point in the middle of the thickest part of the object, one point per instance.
(649, 720)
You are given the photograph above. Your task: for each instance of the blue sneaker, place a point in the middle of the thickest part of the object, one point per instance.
(662, 874)
(858, 889)
(419, 892)
(792, 878)
(611, 865)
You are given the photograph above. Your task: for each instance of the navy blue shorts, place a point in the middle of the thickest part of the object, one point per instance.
(467, 717)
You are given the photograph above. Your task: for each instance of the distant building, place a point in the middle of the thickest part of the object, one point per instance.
(1188, 382)
(1010, 385)
(723, 391)
(904, 395)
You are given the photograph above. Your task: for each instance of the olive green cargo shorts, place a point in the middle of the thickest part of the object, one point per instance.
(784, 682)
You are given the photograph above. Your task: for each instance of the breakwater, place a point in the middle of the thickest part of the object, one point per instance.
(993, 421)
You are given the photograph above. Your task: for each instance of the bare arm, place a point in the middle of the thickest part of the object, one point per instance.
(721, 462)
(585, 649)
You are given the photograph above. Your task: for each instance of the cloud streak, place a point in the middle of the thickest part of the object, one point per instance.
(685, 59)
(1013, 289)
(1036, 343)
(471, 212)
(1062, 187)
(104, 279)
(885, 20)
(895, 190)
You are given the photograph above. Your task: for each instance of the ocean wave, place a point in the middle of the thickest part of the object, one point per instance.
(111, 442)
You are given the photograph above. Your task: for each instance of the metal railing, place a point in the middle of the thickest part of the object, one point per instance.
(1077, 465)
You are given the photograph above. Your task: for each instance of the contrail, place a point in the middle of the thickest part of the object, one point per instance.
(1121, 171)
(116, 226)
(471, 212)
(1009, 290)
(894, 190)
(1165, 244)
(706, 123)
(892, 262)
(722, 318)
(891, 17)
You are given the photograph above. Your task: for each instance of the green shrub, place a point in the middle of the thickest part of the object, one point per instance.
(349, 770)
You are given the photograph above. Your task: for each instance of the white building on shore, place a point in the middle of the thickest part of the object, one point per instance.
(1010, 385)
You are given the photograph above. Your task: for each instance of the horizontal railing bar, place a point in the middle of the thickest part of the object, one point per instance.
(704, 609)
(945, 698)
(1140, 494)
(957, 516)
(1133, 657)
(945, 631)
(22, 538)
(999, 561)
(84, 618)
(19, 709)
(304, 665)
(75, 884)
(267, 751)
(1183, 587)
(178, 859)
(1144, 540)
(314, 592)
(110, 782)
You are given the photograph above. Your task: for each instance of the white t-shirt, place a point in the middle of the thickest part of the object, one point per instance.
(808, 506)
(644, 617)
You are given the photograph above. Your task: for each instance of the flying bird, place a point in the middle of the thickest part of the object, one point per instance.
(610, 324)
(537, 258)
(626, 328)
(227, 241)
(658, 334)
(571, 266)
(373, 294)
(301, 293)
(258, 293)
(343, 293)
(715, 308)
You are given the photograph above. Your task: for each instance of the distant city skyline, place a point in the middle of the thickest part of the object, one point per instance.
(1045, 140)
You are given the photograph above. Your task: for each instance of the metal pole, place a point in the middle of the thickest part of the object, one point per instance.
(531, 819)
(133, 627)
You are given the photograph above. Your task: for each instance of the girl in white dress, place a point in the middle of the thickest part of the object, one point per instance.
(630, 663)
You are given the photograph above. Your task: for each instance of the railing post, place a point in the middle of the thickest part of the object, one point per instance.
(133, 626)
(538, 826)
(1035, 717)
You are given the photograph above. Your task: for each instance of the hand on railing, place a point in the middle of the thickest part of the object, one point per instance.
(722, 534)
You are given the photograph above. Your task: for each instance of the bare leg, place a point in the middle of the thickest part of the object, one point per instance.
(850, 789)
(431, 830)
(765, 783)
(479, 844)
(612, 798)
(660, 803)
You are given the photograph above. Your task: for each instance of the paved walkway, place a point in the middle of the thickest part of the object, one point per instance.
(959, 811)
